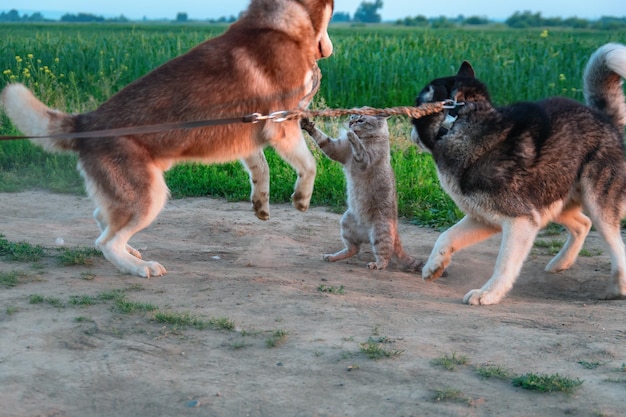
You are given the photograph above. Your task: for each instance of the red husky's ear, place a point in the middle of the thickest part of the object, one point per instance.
(466, 70)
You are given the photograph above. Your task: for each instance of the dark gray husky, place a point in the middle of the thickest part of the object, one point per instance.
(514, 169)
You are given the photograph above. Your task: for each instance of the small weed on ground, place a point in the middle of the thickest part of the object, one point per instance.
(222, 323)
(53, 301)
(589, 365)
(375, 348)
(546, 383)
(493, 371)
(83, 300)
(77, 256)
(277, 338)
(20, 251)
(124, 306)
(450, 362)
(449, 394)
(330, 289)
(552, 247)
(177, 319)
(11, 278)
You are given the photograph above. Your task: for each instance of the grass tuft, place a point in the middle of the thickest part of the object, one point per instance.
(20, 251)
(11, 278)
(450, 362)
(546, 383)
(330, 289)
(277, 338)
(493, 371)
(77, 256)
(375, 348)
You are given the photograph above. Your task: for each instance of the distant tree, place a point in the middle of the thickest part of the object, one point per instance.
(442, 23)
(524, 20)
(81, 17)
(35, 17)
(576, 23)
(418, 21)
(120, 19)
(475, 20)
(181, 17)
(610, 23)
(341, 17)
(367, 12)
(11, 16)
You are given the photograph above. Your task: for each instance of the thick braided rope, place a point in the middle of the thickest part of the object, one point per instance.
(423, 110)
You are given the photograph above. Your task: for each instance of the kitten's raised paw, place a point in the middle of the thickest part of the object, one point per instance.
(307, 125)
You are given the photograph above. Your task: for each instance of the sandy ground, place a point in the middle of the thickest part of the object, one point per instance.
(266, 277)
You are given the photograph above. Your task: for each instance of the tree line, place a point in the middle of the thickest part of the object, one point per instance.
(368, 12)
(14, 16)
(519, 20)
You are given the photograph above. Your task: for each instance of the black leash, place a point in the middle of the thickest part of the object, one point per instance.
(250, 118)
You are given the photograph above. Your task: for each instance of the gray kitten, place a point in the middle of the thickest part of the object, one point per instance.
(372, 215)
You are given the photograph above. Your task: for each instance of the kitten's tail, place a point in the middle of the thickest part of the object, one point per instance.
(603, 82)
(33, 118)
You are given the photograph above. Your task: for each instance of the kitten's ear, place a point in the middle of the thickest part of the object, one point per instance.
(466, 70)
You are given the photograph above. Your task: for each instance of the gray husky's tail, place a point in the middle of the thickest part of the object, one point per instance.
(603, 82)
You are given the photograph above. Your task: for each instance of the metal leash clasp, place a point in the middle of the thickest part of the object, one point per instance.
(452, 103)
(277, 116)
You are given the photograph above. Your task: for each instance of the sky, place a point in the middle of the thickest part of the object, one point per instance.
(391, 11)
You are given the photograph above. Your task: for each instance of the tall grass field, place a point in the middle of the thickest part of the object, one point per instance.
(76, 67)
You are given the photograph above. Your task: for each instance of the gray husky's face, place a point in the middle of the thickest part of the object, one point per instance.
(461, 87)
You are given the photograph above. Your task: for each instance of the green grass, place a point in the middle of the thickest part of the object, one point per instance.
(449, 395)
(493, 371)
(589, 365)
(26, 252)
(83, 300)
(124, 306)
(278, 337)
(375, 348)
(222, 323)
(20, 251)
(40, 299)
(450, 362)
(77, 256)
(551, 247)
(11, 278)
(185, 319)
(76, 67)
(547, 383)
(331, 289)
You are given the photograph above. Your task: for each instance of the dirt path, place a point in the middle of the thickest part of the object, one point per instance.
(267, 278)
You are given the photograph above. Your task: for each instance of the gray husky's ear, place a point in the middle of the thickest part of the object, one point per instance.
(466, 70)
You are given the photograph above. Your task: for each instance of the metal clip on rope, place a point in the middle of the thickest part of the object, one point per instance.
(452, 104)
(277, 116)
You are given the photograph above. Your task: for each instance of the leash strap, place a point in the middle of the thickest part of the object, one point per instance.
(251, 118)
(279, 116)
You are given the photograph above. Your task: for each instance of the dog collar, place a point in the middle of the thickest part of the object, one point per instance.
(449, 121)
(451, 115)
